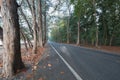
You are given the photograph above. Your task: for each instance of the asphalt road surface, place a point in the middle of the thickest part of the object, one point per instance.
(88, 64)
(67, 62)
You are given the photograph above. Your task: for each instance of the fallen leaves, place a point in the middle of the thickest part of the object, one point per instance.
(49, 65)
(1, 65)
(29, 76)
(40, 79)
(28, 57)
(62, 72)
(34, 67)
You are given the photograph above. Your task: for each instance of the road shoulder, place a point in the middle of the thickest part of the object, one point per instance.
(51, 67)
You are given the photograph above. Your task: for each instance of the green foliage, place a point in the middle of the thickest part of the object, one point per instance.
(104, 14)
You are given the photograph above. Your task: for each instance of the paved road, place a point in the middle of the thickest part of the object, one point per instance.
(51, 67)
(90, 64)
(67, 62)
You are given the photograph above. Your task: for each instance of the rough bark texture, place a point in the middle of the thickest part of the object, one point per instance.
(34, 50)
(45, 27)
(29, 5)
(40, 23)
(12, 61)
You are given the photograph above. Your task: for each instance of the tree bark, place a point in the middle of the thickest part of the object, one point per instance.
(29, 5)
(34, 50)
(78, 36)
(45, 27)
(111, 39)
(105, 30)
(29, 42)
(68, 23)
(68, 34)
(40, 24)
(96, 37)
(12, 61)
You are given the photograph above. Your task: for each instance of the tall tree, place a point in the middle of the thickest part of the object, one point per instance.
(45, 26)
(79, 10)
(78, 33)
(95, 24)
(68, 21)
(40, 28)
(34, 28)
(98, 21)
(12, 61)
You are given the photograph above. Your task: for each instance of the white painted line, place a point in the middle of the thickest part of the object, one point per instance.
(71, 69)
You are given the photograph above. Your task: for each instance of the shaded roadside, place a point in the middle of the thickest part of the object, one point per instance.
(30, 60)
(48, 67)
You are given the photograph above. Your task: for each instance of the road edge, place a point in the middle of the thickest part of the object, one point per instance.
(67, 64)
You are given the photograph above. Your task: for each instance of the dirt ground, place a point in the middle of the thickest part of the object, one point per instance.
(30, 60)
(112, 49)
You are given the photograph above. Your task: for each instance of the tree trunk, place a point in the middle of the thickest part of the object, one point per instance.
(68, 41)
(29, 5)
(12, 61)
(105, 31)
(34, 50)
(45, 27)
(68, 23)
(24, 39)
(40, 34)
(111, 38)
(78, 36)
(30, 29)
(29, 42)
(96, 37)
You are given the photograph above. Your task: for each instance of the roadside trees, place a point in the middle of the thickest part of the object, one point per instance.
(12, 62)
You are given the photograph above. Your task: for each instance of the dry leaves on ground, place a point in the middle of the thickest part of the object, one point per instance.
(62, 72)
(40, 79)
(49, 65)
(28, 57)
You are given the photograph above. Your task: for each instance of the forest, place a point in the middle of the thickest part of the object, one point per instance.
(92, 22)
(34, 22)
